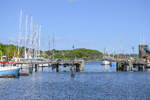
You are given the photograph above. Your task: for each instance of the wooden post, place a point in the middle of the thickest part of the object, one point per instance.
(36, 67)
(77, 68)
(141, 67)
(81, 67)
(42, 68)
(131, 66)
(57, 68)
(72, 71)
(119, 66)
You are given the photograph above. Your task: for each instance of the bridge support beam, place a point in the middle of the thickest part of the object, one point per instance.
(122, 66)
(77, 67)
(72, 71)
(57, 68)
(140, 67)
(36, 67)
(131, 66)
(82, 66)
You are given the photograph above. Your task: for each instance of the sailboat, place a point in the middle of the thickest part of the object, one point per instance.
(11, 70)
(105, 61)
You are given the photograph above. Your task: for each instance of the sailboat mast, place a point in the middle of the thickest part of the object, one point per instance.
(53, 41)
(39, 39)
(30, 37)
(53, 44)
(26, 32)
(20, 31)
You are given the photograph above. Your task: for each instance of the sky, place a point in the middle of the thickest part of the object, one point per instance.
(116, 25)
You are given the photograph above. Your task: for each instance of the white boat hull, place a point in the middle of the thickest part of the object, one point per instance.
(105, 62)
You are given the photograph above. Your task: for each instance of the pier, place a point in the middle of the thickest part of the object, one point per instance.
(78, 65)
(128, 64)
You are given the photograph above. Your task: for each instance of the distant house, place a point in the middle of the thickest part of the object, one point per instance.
(144, 52)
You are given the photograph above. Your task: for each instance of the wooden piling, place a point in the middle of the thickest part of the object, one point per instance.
(57, 68)
(81, 67)
(119, 66)
(77, 67)
(36, 67)
(42, 68)
(140, 67)
(72, 71)
(130, 66)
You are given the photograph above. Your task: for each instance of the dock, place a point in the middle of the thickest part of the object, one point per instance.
(78, 65)
(128, 64)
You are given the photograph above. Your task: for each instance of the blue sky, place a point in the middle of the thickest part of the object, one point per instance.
(93, 24)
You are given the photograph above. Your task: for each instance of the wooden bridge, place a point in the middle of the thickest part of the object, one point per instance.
(129, 64)
(78, 65)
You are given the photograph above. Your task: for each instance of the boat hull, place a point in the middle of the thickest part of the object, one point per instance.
(105, 62)
(14, 72)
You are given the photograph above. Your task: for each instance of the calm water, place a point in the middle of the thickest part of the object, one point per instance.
(95, 83)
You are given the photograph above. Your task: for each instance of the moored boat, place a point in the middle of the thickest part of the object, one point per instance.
(105, 62)
(9, 70)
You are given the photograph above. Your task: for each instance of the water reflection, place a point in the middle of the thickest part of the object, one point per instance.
(106, 67)
(72, 72)
(97, 82)
(89, 67)
(30, 70)
(147, 69)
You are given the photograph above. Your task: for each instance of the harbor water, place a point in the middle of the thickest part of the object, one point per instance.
(97, 82)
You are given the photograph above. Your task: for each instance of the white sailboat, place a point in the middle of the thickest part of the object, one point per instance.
(105, 62)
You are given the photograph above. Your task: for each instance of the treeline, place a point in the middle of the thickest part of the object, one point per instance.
(10, 50)
(125, 55)
(86, 54)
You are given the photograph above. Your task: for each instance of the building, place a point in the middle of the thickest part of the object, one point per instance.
(144, 52)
